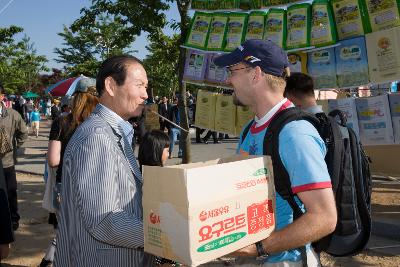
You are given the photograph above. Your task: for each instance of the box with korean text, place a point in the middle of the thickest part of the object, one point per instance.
(194, 213)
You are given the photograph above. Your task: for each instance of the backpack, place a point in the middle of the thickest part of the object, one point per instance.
(348, 167)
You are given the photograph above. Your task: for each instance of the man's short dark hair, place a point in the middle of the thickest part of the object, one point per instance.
(116, 68)
(299, 85)
(2, 90)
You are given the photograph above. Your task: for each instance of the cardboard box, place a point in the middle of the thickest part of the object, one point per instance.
(194, 213)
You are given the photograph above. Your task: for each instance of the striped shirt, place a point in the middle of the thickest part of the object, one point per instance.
(101, 217)
(127, 128)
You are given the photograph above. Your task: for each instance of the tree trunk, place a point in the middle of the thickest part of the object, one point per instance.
(183, 7)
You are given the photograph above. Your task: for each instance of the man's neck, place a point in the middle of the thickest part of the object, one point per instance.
(308, 103)
(265, 103)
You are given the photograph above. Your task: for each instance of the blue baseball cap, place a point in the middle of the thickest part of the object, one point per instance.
(263, 53)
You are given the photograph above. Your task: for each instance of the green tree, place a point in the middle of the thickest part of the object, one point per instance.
(86, 46)
(161, 64)
(147, 16)
(19, 63)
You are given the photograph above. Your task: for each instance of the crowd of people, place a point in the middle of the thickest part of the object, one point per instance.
(97, 211)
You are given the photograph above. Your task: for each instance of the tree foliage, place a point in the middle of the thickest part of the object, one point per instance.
(162, 64)
(139, 16)
(19, 63)
(87, 46)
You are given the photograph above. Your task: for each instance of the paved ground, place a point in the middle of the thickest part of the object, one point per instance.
(34, 234)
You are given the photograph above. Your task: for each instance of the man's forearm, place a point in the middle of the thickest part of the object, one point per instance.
(306, 229)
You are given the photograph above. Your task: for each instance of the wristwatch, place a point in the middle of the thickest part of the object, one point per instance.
(261, 253)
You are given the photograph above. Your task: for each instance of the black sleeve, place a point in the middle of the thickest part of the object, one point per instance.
(55, 131)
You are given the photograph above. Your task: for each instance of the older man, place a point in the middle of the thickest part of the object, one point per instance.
(13, 135)
(101, 200)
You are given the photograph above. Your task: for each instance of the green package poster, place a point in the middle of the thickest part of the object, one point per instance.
(198, 33)
(298, 26)
(269, 3)
(217, 33)
(275, 27)
(225, 114)
(214, 4)
(255, 25)
(199, 4)
(323, 30)
(348, 18)
(230, 4)
(236, 29)
(383, 14)
(257, 4)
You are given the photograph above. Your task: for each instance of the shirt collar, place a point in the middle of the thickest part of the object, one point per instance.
(126, 127)
(268, 116)
(314, 109)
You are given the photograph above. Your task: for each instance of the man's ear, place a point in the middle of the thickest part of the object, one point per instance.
(109, 85)
(258, 74)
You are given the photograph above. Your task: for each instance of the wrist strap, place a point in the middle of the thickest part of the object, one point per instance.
(260, 249)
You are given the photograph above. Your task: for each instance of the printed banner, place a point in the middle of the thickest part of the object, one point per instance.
(205, 109)
(375, 121)
(384, 55)
(394, 100)
(225, 114)
(348, 107)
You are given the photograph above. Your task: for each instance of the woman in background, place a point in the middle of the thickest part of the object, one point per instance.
(154, 149)
(83, 103)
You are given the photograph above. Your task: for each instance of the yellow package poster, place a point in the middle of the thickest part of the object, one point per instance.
(383, 14)
(275, 27)
(297, 61)
(298, 26)
(198, 33)
(384, 55)
(217, 31)
(243, 116)
(323, 30)
(151, 120)
(225, 114)
(236, 30)
(255, 25)
(205, 109)
(348, 19)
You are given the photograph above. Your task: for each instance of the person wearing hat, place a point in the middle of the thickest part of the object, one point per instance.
(82, 104)
(257, 72)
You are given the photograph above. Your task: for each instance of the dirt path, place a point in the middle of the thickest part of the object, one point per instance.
(34, 234)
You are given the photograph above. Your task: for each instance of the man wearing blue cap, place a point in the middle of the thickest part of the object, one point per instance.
(257, 71)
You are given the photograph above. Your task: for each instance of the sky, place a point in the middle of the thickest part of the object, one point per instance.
(43, 19)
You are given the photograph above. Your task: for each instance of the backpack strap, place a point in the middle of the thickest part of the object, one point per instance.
(271, 147)
(246, 131)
